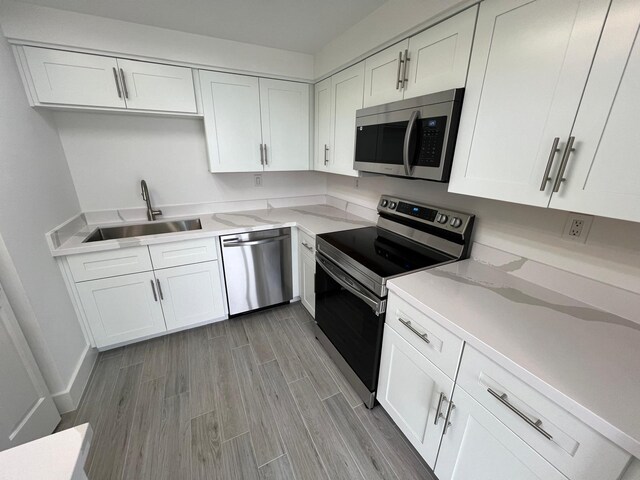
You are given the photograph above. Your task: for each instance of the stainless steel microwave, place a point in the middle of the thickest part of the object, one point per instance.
(412, 138)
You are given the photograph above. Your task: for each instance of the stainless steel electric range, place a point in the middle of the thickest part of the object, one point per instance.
(353, 267)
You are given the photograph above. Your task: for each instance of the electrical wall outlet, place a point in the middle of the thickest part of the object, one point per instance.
(257, 180)
(577, 227)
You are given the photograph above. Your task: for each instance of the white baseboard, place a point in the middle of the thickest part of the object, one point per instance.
(69, 399)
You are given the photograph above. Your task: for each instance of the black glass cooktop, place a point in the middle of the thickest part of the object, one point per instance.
(383, 252)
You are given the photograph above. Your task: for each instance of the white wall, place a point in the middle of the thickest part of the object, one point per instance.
(611, 254)
(32, 23)
(109, 154)
(36, 194)
(394, 20)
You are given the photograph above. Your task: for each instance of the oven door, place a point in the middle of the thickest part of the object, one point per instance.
(351, 317)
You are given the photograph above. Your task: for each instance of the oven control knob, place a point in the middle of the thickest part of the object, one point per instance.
(455, 222)
(384, 203)
(392, 205)
(442, 218)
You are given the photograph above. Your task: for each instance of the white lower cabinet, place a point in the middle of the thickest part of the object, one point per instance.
(127, 307)
(414, 392)
(307, 272)
(190, 294)
(122, 309)
(478, 446)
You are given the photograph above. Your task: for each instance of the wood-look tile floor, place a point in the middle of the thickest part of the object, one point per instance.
(255, 397)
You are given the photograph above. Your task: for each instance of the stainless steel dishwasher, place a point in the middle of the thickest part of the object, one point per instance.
(257, 268)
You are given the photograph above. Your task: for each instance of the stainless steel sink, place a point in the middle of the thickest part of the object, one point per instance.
(125, 231)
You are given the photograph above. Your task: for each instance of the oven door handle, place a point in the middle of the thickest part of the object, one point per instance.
(407, 140)
(378, 306)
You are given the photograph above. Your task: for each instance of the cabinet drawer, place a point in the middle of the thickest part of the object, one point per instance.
(306, 243)
(440, 346)
(91, 266)
(572, 447)
(183, 253)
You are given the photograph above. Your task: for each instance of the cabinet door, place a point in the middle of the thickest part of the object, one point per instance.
(382, 75)
(478, 446)
(231, 107)
(121, 309)
(439, 56)
(410, 389)
(322, 125)
(69, 78)
(152, 86)
(285, 124)
(190, 294)
(307, 267)
(347, 89)
(527, 73)
(603, 173)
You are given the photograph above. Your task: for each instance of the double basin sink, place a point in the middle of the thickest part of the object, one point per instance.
(126, 231)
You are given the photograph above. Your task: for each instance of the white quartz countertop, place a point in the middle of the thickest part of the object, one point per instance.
(60, 456)
(581, 357)
(313, 219)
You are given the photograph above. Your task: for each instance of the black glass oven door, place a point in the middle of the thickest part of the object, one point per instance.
(352, 318)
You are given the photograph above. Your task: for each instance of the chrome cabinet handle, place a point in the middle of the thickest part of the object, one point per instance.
(438, 413)
(447, 422)
(153, 289)
(159, 289)
(266, 157)
(261, 155)
(124, 84)
(407, 140)
(398, 78)
(115, 77)
(536, 424)
(307, 246)
(326, 153)
(405, 72)
(407, 323)
(563, 164)
(546, 178)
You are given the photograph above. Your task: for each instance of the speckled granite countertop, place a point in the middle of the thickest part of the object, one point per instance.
(313, 219)
(585, 359)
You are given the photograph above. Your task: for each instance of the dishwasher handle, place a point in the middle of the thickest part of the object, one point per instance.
(234, 242)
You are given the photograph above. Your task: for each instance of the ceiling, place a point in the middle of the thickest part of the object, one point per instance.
(297, 25)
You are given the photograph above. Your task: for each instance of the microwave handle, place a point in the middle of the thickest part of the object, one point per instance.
(407, 139)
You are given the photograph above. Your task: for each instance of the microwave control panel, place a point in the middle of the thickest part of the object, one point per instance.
(430, 140)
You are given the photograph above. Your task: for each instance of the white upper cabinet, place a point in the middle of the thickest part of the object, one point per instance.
(70, 78)
(152, 86)
(231, 107)
(60, 78)
(322, 125)
(347, 89)
(527, 74)
(434, 60)
(255, 125)
(383, 75)
(285, 125)
(603, 173)
(478, 446)
(438, 58)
